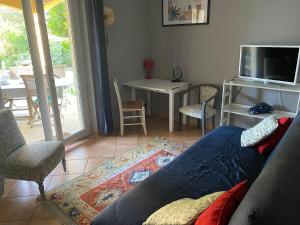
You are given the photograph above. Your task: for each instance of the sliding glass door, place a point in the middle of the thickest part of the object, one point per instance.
(15, 61)
(65, 67)
(52, 92)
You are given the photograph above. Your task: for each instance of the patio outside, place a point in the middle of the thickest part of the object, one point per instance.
(16, 61)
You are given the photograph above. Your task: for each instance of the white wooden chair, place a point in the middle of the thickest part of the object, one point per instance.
(130, 107)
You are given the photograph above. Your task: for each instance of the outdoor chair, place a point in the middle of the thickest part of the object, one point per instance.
(33, 101)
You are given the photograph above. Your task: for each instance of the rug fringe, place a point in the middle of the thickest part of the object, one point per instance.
(58, 213)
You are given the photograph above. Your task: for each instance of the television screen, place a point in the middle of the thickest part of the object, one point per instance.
(269, 63)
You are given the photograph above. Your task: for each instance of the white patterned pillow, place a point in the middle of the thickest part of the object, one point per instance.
(258, 133)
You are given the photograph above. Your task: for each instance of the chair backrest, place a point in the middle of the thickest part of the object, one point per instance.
(206, 92)
(11, 137)
(30, 86)
(116, 85)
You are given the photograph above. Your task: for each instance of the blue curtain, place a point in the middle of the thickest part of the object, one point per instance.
(94, 9)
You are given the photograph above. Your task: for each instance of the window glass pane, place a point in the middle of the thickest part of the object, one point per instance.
(15, 63)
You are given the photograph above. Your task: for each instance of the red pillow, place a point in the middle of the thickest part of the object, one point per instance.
(267, 145)
(221, 210)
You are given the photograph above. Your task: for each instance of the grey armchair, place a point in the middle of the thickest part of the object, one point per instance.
(204, 108)
(21, 161)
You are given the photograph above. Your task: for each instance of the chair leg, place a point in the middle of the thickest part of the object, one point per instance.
(213, 122)
(64, 164)
(50, 110)
(42, 190)
(35, 113)
(203, 126)
(30, 109)
(32, 117)
(60, 109)
(1, 185)
(39, 114)
(11, 103)
(179, 125)
(144, 120)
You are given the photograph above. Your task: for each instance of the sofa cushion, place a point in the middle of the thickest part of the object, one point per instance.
(259, 132)
(181, 212)
(220, 211)
(274, 196)
(267, 145)
(33, 161)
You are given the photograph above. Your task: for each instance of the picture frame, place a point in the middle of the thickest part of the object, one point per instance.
(185, 12)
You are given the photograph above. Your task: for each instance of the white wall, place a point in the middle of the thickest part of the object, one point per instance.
(207, 53)
(210, 53)
(128, 44)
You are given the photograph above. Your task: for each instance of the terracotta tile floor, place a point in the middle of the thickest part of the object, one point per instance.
(18, 205)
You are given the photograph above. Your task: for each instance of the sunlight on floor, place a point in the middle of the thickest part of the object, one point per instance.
(70, 120)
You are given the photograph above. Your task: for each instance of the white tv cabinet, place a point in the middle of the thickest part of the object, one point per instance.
(229, 107)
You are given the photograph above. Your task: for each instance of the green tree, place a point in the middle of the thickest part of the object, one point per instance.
(57, 20)
(13, 40)
(60, 52)
(16, 49)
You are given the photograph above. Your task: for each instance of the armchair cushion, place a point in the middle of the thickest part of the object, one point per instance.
(33, 162)
(196, 111)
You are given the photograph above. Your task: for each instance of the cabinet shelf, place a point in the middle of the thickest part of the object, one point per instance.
(229, 107)
(263, 85)
(243, 110)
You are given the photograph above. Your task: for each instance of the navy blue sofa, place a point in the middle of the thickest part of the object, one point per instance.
(217, 162)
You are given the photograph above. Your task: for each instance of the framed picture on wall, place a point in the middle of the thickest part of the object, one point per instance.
(185, 12)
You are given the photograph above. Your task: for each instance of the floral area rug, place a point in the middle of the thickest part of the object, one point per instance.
(80, 200)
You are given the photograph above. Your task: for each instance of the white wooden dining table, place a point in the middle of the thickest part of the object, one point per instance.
(160, 86)
(16, 88)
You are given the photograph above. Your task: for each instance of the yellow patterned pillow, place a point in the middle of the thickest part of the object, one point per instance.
(181, 212)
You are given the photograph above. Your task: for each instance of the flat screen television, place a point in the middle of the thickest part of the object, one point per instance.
(269, 63)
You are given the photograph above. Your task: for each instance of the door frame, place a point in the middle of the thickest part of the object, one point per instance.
(37, 68)
(79, 67)
(80, 62)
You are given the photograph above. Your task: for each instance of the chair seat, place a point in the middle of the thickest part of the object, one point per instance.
(133, 105)
(196, 111)
(36, 102)
(33, 162)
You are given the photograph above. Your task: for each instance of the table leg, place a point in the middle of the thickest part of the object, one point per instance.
(185, 102)
(149, 103)
(133, 94)
(171, 112)
(133, 98)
